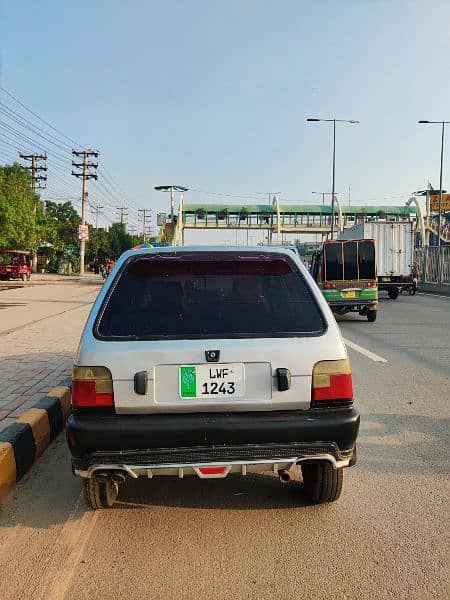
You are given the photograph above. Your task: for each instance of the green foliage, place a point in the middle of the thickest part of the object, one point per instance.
(19, 227)
(26, 224)
(65, 220)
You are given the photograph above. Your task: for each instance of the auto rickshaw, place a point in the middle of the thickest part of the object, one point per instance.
(15, 264)
(345, 271)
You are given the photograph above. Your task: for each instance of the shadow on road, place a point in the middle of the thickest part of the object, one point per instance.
(404, 444)
(252, 492)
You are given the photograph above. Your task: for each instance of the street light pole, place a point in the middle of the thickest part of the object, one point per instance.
(171, 189)
(334, 178)
(334, 121)
(440, 188)
(439, 231)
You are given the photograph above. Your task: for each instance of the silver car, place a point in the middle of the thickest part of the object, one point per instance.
(209, 361)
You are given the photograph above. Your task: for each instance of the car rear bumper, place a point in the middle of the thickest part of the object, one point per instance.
(140, 444)
(350, 305)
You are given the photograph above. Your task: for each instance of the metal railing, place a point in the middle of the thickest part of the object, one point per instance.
(431, 269)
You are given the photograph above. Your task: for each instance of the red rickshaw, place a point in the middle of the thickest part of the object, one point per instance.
(15, 264)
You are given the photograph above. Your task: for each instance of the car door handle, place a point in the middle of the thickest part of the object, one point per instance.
(284, 379)
(141, 382)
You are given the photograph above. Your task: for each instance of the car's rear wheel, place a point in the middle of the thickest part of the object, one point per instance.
(393, 293)
(372, 316)
(322, 482)
(100, 494)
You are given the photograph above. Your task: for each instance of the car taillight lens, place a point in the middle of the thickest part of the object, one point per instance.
(92, 387)
(372, 284)
(332, 382)
(329, 286)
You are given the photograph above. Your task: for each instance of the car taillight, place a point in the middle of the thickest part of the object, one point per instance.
(92, 387)
(329, 286)
(371, 284)
(332, 382)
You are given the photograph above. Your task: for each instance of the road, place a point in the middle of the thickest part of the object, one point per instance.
(253, 538)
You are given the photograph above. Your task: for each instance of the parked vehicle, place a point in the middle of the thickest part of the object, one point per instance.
(15, 264)
(210, 361)
(346, 274)
(394, 242)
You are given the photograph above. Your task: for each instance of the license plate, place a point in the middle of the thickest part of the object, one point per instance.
(385, 279)
(212, 381)
(351, 294)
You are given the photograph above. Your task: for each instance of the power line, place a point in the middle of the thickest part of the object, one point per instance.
(39, 117)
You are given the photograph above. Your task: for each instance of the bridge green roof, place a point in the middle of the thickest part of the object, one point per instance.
(305, 209)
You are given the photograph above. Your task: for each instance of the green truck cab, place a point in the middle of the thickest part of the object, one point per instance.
(345, 271)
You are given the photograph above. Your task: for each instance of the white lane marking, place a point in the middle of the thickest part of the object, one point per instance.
(437, 295)
(365, 352)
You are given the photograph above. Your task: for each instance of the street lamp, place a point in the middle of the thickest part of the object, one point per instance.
(443, 123)
(171, 189)
(334, 121)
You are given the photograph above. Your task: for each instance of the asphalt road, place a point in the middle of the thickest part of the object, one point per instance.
(253, 538)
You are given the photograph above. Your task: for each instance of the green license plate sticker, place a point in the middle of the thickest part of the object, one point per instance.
(188, 382)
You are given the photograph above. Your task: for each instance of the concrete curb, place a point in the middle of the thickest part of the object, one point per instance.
(30, 435)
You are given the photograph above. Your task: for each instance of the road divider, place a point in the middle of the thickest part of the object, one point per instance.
(30, 435)
(365, 352)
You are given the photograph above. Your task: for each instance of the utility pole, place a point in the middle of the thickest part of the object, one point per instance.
(37, 182)
(35, 168)
(145, 214)
(123, 210)
(87, 172)
(131, 231)
(96, 211)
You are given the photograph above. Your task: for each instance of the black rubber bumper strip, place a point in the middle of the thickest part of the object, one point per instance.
(87, 433)
(54, 413)
(20, 436)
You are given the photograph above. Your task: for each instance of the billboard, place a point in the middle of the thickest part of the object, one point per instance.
(161, 219)
(434, 203)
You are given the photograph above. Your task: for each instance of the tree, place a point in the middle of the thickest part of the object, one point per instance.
(20, 210)
(66, 220)
(119, 239)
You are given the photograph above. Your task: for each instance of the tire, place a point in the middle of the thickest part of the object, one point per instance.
(393, 293)
(322, 483)
(100, 494)
(372, 316)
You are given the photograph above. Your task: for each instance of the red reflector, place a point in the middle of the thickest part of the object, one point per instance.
(84, 395)
(340, 388)
(212, 470)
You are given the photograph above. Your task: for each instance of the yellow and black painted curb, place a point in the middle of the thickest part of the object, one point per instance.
(28, 437)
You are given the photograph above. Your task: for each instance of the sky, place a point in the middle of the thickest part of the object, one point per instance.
(214, 95)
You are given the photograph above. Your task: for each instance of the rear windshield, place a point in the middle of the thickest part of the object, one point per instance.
(186, 296)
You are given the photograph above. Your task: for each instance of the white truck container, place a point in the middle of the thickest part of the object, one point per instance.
(394, 246)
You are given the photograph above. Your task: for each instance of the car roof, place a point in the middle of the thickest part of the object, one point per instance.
(206, 249)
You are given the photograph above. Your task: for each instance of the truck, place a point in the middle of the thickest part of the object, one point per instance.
(394, 243)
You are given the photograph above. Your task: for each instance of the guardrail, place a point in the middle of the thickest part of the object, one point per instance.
(434, 264)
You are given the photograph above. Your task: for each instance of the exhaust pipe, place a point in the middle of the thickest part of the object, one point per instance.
(118, 477)
(115, 476)
(284, 476)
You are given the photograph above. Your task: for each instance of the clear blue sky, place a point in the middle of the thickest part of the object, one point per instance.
(215, 94)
